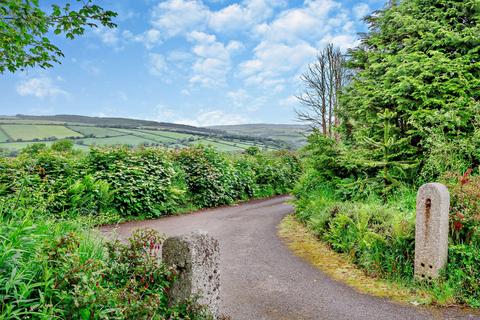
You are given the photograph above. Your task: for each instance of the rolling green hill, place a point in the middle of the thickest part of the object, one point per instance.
(293, 134)
(16, 132)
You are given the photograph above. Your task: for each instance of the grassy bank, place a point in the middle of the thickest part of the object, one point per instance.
(379, 238)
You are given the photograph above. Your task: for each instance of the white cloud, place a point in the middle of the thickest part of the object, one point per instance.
(284, 40)
(241, 99)
(175, 17)
(361, 10)
(243, 16)
(149, 38)
(157, 64)
(107, 36)
(291, 40)
(213, 59)
(274, 61)
(179, 56)
(180, 17)
(289, 102)
(213, 117)
(342, 41)
(40, 87)
(307, 22)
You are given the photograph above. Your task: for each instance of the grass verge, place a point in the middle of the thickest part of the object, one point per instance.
(304, 244)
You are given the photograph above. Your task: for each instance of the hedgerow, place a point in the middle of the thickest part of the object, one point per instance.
(52, 266)
(148, 182)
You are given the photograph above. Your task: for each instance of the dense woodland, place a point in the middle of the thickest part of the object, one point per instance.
(408, 114)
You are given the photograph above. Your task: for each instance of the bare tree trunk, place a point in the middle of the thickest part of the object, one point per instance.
(323, 81)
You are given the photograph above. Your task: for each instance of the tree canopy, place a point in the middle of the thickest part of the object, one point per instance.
(26, 28)
(420, 63)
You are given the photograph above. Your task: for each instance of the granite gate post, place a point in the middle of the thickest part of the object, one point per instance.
(196, 257)
(431, 230)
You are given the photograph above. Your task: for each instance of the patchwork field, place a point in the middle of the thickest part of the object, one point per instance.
(118, 140)
(3, 136)
(16, 146)
(293, 134)
(98, 132)
(17, 133)
(171, 134)
(217, 145)
(29, 132)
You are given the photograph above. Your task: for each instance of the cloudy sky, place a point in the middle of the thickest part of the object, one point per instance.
(190, 61)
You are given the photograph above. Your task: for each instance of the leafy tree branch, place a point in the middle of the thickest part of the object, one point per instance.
(25, 30)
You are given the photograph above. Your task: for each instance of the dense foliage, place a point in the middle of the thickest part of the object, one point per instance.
(25, 30)
(410, 115)
(413, 104)
(52, 266)
(60, 271)
(149, 182)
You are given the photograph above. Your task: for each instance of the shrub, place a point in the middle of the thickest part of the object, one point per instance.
(144, 182)
(61, 271)
(147, 182)
(275, 172)
(209, 176)
(465, 207)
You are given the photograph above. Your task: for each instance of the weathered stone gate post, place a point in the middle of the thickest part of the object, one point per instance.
(431, 230)
(197, 258)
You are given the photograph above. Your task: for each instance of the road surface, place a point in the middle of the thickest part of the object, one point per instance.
(262, 279)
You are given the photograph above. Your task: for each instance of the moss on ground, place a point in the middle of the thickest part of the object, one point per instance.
(305, 245)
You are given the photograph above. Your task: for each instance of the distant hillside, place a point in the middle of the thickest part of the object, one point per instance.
(17, 132)
(110, 122)
(294, 134)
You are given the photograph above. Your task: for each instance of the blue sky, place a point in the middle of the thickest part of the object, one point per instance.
(190, 61)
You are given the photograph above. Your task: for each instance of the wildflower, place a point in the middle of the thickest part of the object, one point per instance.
(458, 225)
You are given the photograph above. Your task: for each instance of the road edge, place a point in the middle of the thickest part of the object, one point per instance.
(303, 243)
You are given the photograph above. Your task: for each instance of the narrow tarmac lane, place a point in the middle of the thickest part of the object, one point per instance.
(262, 279)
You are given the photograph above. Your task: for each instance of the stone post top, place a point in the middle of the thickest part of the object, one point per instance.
(192, 236)
(435, 186)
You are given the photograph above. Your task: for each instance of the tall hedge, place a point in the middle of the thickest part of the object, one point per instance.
(147, 182)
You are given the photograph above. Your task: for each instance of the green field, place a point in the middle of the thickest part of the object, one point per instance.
(29, 122)
(222, 146)
(34, 131)
(96, 131)
(119, 140)
(3, 136)
(20, 145)
(17, 132)
(148, 134)
(171, 134)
